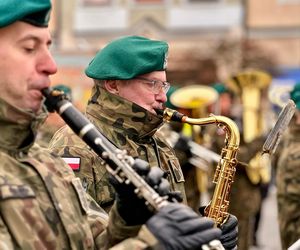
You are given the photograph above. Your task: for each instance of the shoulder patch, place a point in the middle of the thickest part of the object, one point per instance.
(73, 162)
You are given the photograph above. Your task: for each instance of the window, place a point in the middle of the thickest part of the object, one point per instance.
(95, 2)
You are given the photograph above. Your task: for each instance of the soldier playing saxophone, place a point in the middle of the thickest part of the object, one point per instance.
(130, 84)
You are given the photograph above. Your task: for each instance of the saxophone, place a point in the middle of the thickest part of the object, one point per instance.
(224, 174)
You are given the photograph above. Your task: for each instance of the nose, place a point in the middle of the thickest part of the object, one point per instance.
(47, 65)
(161, 96)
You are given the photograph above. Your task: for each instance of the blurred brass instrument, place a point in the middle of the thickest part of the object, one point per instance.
(224, 174)
(196, 99)
(280, 94)
(280, 126)
(201, 155)
(251, 86)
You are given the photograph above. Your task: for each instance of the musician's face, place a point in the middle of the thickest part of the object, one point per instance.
(225, 104)
(141, 91)
(25, 64)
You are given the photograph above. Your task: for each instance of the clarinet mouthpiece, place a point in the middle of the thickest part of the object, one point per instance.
(53, 97)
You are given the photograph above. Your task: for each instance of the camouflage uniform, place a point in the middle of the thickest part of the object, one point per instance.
(184, 154)
(288, 187)
(45, 133)
(129, 127)
(42, 203)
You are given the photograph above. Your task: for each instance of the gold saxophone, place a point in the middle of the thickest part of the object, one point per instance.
(224, 174)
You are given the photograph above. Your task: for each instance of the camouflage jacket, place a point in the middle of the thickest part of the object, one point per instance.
(42, 203)
(129, 127)
(288, 186)
(288, 172)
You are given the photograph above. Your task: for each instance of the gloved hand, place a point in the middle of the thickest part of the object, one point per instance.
(132, 208)
(183, 151)
(177, 226)
(229, 236)
(182, 144)
(229, 229)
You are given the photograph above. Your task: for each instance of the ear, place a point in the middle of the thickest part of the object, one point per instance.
(297, 114)
(111, 86)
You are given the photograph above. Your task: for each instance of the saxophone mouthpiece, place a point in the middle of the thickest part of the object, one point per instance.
(170, 114)
(159, 112)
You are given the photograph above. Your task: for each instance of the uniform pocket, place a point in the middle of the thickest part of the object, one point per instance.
(24, 218)
(81, 194)
(15, 192)
(176, 170)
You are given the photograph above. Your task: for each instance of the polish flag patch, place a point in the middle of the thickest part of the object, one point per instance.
(73, 162)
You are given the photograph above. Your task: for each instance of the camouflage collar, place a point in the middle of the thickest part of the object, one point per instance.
(294, 131)
(124, 116)
(18, 127)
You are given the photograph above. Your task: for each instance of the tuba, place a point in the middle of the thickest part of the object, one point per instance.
(224, 174)
(251, 86)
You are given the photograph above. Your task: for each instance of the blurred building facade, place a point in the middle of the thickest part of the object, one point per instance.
(209, 39)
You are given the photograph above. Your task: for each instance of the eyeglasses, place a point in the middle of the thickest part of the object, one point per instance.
(157, 85)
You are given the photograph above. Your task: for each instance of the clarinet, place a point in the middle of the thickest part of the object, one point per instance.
(118, 162)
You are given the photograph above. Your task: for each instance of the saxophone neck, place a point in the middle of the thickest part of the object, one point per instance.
(230, 127)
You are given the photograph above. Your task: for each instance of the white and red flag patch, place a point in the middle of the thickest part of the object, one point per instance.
(73, 162)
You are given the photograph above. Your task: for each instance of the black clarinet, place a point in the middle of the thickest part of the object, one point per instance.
(118, 162)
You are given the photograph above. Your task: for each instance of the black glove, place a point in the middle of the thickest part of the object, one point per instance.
(229, 229)
(132, 208)
(182, 144)
(229, 236)
(177, 226)
(183, 151)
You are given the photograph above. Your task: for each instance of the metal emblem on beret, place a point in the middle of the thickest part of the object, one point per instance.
(47, 16)
(165, 61)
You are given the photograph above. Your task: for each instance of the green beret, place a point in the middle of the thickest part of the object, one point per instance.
(169, 93)
(35, 12)
(220, 88)
(295, 95)
(128, 57)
